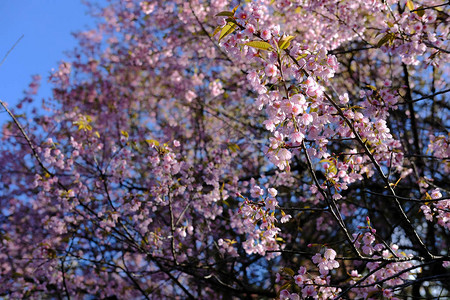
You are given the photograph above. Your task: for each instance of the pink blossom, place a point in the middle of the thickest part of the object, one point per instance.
(190, 95)
(306, 119)
(344, 98)
(256, 191)
(273, 192)
(271, 203)
(297, 137)
(285, 218)
(329, 254)
(266, 35)
(271, 70)
(147, 7)
(284, 154)
(242, 15)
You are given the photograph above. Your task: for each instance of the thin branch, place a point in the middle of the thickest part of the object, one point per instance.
(9, 51)
(436, 47)
(361, 280)
(304, 209)
(337, 52)
(430, 96)
(24, 134)
(129, 275)
(333, 208)
(430, 7)
(172, 229)
(408, 199)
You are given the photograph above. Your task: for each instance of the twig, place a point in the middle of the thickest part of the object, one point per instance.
(9, 51)
(429, 7)
(333, 208)
(24, 134)
(337, 52)
(408, 199)
(431, 96)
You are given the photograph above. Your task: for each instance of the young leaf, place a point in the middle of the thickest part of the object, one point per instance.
(285, 42)
(259, 45)
(385, 39)
(152, 142)
(216, 31)
(124, 133)
(233, 147)
(225, 14)
(373, 88)
(226, 30)
(325, 160)
(410, 5)
(302, 56)
(420, 11)
(289, 271)
(231, 20)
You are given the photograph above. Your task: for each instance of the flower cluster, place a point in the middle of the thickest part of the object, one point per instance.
(439, 210)
(259, 223)
(310, 284)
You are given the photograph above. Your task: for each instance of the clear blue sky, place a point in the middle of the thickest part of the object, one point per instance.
(47, 26)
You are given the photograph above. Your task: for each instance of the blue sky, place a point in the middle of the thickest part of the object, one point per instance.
(46, 26)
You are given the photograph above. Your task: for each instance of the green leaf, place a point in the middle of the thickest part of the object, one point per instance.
(231, 20)
(371, 87)
(226, 30)
(225, 14)
(83, 123)
(124, 133)
(289, 271)
(285, 42)
(410, 5)
(216, 31)
(233, 147)
(302, 56)
(259, 45)
(332, 169)
(385, 39)
(235, 8)
(420, 11)
(152, 142)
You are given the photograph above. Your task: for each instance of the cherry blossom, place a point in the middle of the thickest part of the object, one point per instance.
(205, 149)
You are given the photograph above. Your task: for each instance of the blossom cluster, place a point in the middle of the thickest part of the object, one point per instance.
(310, 284)
(439, 210)
(259, 223)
